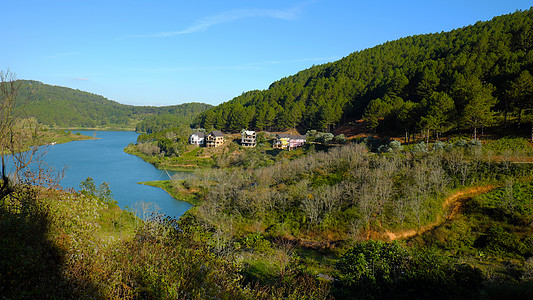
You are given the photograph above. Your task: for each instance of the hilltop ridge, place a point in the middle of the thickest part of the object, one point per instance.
(62, 107)
(464, 79)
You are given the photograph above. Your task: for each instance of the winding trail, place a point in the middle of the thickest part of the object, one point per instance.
(451, 207)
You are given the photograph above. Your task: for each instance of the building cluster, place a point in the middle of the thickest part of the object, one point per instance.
(214, 139)
(287, 141)
(248, 139)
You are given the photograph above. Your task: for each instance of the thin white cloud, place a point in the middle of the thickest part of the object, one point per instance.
(228, 16)
(233, 15)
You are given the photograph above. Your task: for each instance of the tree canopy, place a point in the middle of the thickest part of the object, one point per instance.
(439, 81)
(65, 107)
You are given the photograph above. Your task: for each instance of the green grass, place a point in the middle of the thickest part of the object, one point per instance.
(117, 223)
(187, 162)
(176, 189)
(318, 262)
(492, 227)
(515, 144)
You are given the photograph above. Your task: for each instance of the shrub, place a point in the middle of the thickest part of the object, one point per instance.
(395, 145)
(419, 148)
(324, 138)
(460, 143)
(384, 149)
(438, 145)
(502, 145)
(256, 242)
(502, 243)
(340, 139)
(374, 269)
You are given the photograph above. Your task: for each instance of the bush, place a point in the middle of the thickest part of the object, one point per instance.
(460, 143)
(256, 242)
(419, 148)
(384, 149)
(500, 146)
(148, 148)
(340, 139)
(502, 243)
(438, 145)
(374, 269)
(324, 138)
(395, 145)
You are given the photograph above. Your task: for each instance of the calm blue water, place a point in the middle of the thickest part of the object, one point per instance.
(103, 159)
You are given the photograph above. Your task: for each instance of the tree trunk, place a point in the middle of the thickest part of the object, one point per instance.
(427, 140)
(505, 118)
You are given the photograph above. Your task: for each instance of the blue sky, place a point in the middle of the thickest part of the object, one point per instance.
(172, 52)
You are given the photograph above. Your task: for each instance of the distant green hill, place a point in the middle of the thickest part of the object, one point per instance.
(437, 82)
(63, 107)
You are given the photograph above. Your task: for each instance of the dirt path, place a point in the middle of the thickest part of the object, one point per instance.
(451, 206)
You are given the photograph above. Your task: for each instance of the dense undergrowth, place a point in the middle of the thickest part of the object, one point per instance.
(493, 232)
(69, 245)
(296, 229)
(313, 209)
(347, 191)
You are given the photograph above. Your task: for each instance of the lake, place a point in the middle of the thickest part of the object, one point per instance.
(104, 160)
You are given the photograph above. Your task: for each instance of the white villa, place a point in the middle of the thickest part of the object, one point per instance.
(197, 138)
(248, 138)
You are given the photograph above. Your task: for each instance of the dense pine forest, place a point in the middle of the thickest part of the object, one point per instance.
(48, 105)
(464, 79)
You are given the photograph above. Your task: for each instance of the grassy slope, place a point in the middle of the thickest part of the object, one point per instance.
(45, 137)
(176, 189)
(61, 137)
(187, 162)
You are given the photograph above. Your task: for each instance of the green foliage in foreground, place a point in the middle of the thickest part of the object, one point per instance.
(45, 236)
(494, 225)
(378, 270)
(53, 245)
(494, 233)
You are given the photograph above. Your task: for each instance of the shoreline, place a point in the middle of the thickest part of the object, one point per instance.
(166, 185)
(90, 128)
(156, 161)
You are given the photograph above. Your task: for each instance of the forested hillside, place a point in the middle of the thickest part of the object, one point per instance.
(437, 82)
(64, 107)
